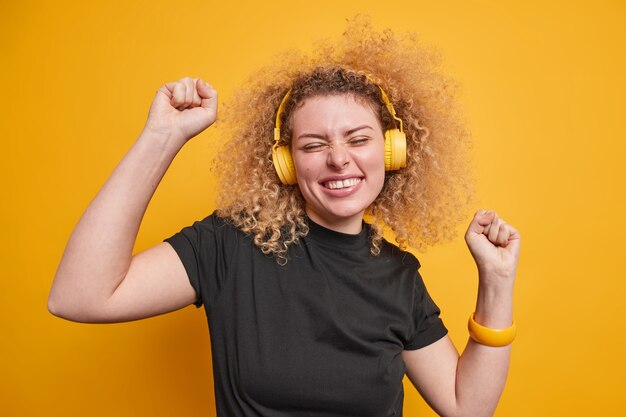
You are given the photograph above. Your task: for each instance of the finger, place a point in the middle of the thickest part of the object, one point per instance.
(485, 217)
(486, 229)
(492, 235)
(514, 234)
(182, 94)
(481, 223)
(178, 95)
(205, 90)
(190, 85)
(167, 89)
(196, 99)
(514, 238)
(207, 94)
(503, 235)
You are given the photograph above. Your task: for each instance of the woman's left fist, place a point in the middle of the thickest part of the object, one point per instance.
(494, 244)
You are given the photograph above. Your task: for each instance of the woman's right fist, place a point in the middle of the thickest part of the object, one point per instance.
(182, 109)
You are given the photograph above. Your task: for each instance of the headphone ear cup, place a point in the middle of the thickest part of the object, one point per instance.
(395, 149)
(283, 163)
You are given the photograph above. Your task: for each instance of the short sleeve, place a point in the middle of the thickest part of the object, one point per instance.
(427, 325)
(200, 248)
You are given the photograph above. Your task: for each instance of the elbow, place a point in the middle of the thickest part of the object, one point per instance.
(55, 305)
(481, 410)
(72, 309)
(72, 314)
(59, 300)
(52, 308)
(60, 309)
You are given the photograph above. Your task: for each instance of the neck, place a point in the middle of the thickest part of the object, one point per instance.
(352, 225)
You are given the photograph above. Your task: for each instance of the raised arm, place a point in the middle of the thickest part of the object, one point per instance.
(98, 279)
(471, 385)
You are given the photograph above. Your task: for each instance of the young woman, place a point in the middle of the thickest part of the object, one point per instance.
(311, 311)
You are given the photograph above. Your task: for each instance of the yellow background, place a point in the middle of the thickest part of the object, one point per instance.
(543, 88)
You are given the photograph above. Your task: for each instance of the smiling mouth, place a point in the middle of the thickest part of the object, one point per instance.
(335, 185)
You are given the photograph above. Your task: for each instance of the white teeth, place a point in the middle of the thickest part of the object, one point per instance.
(333, 185)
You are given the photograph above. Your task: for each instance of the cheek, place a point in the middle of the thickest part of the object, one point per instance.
(307, 164)
(380, 180)
(376, 161)
(378, 168)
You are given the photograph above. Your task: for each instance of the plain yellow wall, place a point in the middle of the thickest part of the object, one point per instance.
(543, 88)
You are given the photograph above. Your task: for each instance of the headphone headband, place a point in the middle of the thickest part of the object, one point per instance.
(283, 103)
(279, 112)
(389, 106)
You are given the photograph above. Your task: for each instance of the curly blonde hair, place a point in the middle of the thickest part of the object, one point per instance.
(422, 203)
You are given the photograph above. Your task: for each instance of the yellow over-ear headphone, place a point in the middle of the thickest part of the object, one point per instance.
(395, 145)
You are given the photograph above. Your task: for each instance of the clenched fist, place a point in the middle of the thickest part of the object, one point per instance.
(494, 244)
(182, 109)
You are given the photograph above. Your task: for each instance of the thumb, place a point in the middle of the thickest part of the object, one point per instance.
(208, 101)
(481, 222)
(207, 94)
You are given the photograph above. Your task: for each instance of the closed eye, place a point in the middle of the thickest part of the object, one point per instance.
(313, 147)
(360, 140)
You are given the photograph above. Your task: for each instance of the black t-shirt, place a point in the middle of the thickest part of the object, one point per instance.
(321, 336)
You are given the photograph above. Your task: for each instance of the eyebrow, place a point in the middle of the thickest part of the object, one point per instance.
(348, 133)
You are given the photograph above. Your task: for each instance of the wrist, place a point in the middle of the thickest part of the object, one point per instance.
(494, 305)
(496, 284)
(494, 275)
(166, 141)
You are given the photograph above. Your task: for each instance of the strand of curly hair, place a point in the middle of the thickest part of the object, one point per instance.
(421, 204)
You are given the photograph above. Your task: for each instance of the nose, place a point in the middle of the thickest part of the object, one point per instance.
(338, 156)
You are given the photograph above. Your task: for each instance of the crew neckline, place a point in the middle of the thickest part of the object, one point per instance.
(341, 240)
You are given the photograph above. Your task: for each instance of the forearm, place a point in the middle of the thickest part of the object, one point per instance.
(99, 251)
(482, 370)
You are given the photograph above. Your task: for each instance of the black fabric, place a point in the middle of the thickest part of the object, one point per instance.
(321, 336)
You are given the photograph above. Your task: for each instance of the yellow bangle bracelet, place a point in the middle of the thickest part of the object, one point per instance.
(490, 337)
